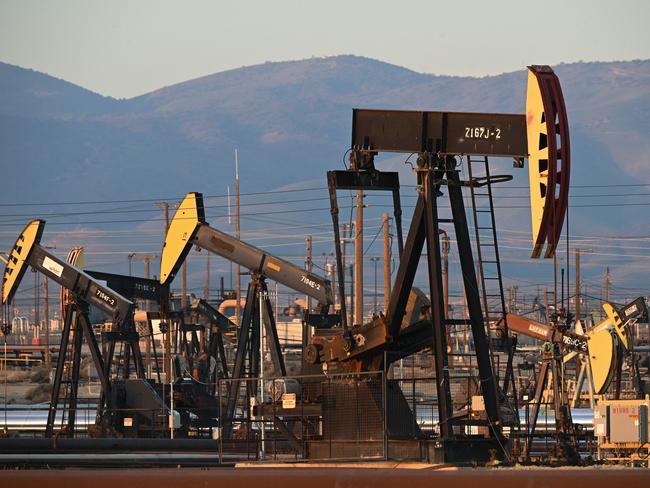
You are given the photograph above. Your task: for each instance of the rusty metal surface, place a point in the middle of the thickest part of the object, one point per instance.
(339, 477)
(440, 132)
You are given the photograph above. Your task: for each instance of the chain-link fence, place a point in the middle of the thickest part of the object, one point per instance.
(299, 417)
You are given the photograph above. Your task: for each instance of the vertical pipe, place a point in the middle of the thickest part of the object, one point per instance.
(308, 266)
(386, 262)
(238, 234)
(358, 262)
(47, 320)
(206, 289)
(577, 297)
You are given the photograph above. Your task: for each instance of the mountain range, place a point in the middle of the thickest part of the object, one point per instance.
(290, 122)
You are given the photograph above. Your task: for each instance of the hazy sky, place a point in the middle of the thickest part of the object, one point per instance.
(126, 48)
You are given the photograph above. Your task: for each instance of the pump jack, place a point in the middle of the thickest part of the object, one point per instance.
(438, 138)
(86, 291)
(436, 166)
(603, 345)
(188, 227)
(188, 396)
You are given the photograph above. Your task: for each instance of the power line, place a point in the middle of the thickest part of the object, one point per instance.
(155, 210)
(141, 200)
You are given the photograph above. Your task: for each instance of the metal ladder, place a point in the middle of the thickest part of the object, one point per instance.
(487, 249)
(489, 263)
(66, 401)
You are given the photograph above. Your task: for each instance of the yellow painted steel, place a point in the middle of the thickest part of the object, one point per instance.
(18, 256)
(613, 316)
(179, 236)
(77, 257)
(537, 158)
(603, 357)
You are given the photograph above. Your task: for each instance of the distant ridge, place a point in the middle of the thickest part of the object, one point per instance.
(290, 121)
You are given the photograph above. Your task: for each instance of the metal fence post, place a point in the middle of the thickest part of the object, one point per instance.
(220, 424)
(384, 395)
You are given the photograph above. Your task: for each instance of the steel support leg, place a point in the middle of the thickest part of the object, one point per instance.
(58, 374)
(340, 265)
(272, 334)
(437, 307)
(537, 401)
(240, 357)
(487, 379)
(74, 376)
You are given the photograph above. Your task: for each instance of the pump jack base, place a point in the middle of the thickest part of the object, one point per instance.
(476, 451)
(468, 450)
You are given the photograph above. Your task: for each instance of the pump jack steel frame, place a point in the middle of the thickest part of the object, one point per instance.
(436, 137)
(85, 290)
(566, 446)
(248, 344)
(549, 158)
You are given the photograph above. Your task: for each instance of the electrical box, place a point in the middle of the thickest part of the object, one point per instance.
(600, 420)
(622, 427)
(628, 423)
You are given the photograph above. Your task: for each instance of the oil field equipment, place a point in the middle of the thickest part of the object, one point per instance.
(188, 228)
(438, 139)
(86, 290)
(604, 346)
(190, 399)
(622, 429)
(549, 158)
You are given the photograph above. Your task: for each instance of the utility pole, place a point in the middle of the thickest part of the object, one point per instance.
(130, 258)
(206, 289)
(374, 259)
(47, 320)
(167, 349)
(308, 264)
(331, 271)
(607, 282)
(165, 207)
(578, 284)
(344, 246)
(445, 285)
(358, 262)
(386, 262)
(238, 234)
(147, 303)
(147, 262)
(147, 257)
(352, 267)
(445, 276)
(37, 305)
(307, 335)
